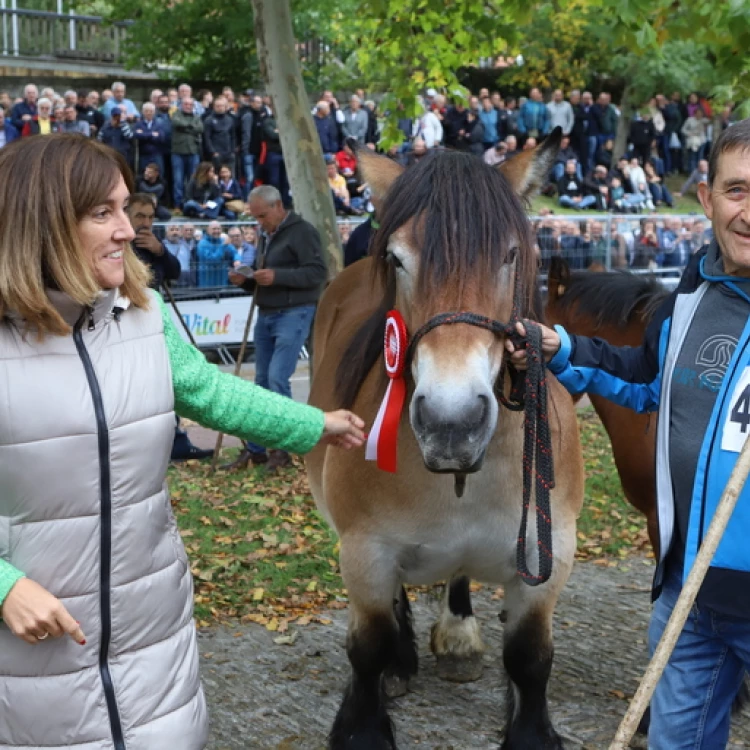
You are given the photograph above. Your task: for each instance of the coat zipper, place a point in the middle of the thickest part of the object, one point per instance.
(105, 582)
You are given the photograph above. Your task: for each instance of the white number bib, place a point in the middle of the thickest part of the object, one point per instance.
(737, 424)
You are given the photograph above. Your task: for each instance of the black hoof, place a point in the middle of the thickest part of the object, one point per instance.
(363, 740)
(522, 741)
(454, 668)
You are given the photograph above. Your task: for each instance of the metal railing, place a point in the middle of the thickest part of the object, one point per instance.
(68, 36)
(215, 310)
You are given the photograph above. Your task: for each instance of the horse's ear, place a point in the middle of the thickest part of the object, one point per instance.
(528, 171)
(558, 277)
(379, 172)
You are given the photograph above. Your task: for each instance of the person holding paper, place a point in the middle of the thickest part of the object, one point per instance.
(288, 277)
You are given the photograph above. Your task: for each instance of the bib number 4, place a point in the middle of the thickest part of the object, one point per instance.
(740, 413)
(737, 423)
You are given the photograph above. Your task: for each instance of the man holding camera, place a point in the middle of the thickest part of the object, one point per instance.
(164, 267)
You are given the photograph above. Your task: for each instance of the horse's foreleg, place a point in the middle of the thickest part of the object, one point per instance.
(455, 639)
(527, 655)
(362, 722)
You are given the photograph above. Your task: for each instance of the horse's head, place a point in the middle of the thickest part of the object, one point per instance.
(454, 237)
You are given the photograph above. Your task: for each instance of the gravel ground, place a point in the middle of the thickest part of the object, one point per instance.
(265, 695)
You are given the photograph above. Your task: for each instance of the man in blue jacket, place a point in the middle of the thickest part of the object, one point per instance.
(694, 367)
(7, 132)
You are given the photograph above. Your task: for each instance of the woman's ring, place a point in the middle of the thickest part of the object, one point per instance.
(42, 637)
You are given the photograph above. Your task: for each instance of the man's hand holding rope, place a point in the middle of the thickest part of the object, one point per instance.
(550, 346)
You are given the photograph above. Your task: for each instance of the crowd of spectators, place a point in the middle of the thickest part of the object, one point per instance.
(624, 243)
(199, 156)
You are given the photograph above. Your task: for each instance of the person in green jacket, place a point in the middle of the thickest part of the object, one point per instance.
(97, 640)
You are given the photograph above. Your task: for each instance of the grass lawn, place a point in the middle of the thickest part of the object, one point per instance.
(261, 552)
(687, 204)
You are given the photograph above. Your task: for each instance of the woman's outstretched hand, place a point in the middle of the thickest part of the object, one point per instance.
(343, 429)
(550, 346)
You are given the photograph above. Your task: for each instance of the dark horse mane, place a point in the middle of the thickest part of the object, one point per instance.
(612, 298)
(465, 213)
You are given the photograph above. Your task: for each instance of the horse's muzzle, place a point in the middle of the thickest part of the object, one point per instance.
(453, 440)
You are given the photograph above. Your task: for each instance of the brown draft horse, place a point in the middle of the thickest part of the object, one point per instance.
(453, 237)
(616, 307)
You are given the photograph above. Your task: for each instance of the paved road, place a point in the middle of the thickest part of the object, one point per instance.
(263, 695)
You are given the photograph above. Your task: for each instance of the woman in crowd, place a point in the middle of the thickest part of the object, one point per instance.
(659, 191)
(202, 195)
(97, 642)
(646, 246)
(231, 194)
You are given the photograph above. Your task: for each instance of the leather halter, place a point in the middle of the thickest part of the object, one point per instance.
(528, 393)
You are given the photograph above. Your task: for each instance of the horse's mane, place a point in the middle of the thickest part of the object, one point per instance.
(466, 215)
(612, 298)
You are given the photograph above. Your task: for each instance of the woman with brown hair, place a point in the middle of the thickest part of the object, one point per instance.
(97, 643)
(203, 195)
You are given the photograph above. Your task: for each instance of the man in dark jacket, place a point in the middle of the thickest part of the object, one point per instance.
(187, 129)
(693, 368)
(87, 111)
(455, 125)
(251, 139)
(289, 273)
(7, 132)
(151, 136)
(328, 132)
(164, 267)
(220, 135)
(275, 167)
(25, 110)
(642, 135)
(117, 134)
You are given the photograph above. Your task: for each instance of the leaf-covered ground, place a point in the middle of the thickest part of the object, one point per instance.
(260, 551)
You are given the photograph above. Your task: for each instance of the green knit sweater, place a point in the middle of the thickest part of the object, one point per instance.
(223, 402)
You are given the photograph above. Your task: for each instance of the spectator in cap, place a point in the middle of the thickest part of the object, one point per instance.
(117, 133)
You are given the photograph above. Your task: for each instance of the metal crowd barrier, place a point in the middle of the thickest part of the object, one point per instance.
(659, 244)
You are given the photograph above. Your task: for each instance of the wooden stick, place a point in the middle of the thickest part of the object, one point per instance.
(237, 369)
(685, 601)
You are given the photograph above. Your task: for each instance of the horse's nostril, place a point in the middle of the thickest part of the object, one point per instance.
(419, 412)
(484, 409)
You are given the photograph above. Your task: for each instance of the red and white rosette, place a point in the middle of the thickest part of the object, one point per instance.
(382, 442)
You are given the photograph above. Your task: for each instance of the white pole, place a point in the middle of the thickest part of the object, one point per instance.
(72, 29)
(685, 601)
(14, 26)
(5, 28)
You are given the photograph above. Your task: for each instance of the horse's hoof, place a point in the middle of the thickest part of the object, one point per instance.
(395, 686)
(454, 668)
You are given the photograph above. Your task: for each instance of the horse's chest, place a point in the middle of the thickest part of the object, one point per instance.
(471, 538)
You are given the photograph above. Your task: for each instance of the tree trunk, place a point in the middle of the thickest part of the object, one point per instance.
(303, 156)
(623, 123)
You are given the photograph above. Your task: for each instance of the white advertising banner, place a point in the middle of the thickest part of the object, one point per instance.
(215, 321)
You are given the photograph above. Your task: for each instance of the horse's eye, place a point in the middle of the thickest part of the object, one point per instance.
(512, 255)
(394, 260)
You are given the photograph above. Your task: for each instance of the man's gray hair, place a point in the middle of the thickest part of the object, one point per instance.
(118, 85)
(266, 193)
(735, 138)
(148, 105)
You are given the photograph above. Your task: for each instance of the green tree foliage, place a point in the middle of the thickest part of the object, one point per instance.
(214, 40)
